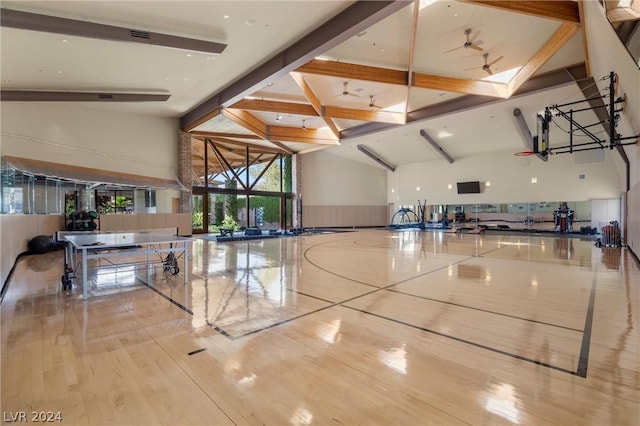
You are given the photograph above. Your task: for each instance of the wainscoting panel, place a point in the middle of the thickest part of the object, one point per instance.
(343, 216)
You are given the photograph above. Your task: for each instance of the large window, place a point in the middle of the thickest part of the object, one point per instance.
(242, 185)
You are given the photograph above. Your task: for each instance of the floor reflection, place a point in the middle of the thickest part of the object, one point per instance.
(245, 285)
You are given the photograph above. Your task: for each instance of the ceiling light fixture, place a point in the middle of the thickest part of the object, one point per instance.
(279, 118)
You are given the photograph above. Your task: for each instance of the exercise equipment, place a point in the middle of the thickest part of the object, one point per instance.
(610, 236)
(406, 216)
(41, 244)
(563, 218)
(253, 231)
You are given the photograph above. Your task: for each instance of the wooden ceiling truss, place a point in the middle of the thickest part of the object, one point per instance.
(238, 108)
(230, 159)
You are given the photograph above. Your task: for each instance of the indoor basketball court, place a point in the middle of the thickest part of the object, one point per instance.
(503, 325)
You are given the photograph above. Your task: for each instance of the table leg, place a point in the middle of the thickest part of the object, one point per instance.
(184, 266)
(85, 283)
(149, 264)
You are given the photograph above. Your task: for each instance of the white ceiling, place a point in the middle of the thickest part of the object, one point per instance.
(256, 30)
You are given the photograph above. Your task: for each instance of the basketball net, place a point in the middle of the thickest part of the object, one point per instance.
(524, 157)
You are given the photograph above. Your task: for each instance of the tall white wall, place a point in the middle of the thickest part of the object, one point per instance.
(337, 192)
(69, 134)
(558, 179)
(606, 54)
(328, 179)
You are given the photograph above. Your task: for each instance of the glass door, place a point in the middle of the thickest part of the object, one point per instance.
(198, 213)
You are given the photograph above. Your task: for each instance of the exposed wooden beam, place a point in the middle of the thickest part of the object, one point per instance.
(353, 71)
(308, 110)
(544, 81)
(584, 39)
(192, 125)
(312, 136)
(315, 102)
(308, 93)
(357, 17)
(364, 115)
(278, 133)
(246, 120)
(199, 134)
(305, 109)
(283, 147)
(275, 106)
(560, 10)
(555, 43)
(450, 84)
(412, 49)
(259, 148)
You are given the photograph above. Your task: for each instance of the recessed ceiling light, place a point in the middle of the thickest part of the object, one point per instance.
(188, 55)
(250, 22)
(185, 79)
(59, 71)
(226, 16)
(534, 180)
(64, 40)
(269, 84)
(211, 58)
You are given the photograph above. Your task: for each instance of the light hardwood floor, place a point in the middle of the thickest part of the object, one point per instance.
(370, 327)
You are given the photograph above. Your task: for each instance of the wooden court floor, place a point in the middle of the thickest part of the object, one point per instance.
(372, 327)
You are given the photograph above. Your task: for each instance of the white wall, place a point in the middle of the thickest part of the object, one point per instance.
(510, 178)
(69, 134)
(606, 54)
(328, 179)
(337, 192)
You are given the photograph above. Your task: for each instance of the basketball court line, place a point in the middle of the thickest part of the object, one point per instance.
(484, 310)
(581, 369)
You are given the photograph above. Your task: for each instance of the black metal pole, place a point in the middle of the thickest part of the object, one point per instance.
(612, 118)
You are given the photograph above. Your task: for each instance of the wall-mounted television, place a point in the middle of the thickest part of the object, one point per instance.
(469, 187)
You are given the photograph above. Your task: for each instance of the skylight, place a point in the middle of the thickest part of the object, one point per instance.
(503, 77)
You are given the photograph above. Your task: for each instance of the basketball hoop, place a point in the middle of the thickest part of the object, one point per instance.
(525, 157)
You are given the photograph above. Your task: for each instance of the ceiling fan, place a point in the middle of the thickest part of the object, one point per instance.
(470, 43)
(372, 103)
(345, 91)
(487, 65)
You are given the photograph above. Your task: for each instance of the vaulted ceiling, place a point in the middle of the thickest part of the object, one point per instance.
(297, 76)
